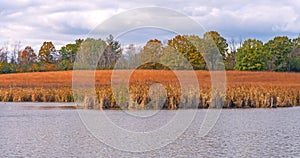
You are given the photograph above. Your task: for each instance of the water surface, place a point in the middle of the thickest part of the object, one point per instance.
(59, 132)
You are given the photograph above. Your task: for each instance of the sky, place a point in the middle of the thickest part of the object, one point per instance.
(34, 21)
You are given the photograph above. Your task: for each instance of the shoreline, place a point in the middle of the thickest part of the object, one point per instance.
(73, 106)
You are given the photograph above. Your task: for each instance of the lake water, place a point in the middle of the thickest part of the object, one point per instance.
(55, 132)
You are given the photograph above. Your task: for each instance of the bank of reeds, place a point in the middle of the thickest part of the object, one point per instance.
(244, 90)
(139, 97)
(36, 95)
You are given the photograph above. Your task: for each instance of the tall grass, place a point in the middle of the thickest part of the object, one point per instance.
(237, 97)
(244, 90)
(36, 95)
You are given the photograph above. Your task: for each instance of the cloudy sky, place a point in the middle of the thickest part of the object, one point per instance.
(33, 21)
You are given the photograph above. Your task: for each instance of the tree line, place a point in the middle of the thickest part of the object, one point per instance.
(201, 53)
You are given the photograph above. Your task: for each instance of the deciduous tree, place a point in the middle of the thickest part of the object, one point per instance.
(151, 54)
(295, 56)
(111, 54)
(251, 56)
(279, 50)
(189, 47)
(27, 56)
(69, 51)
(89, 53)
(46, 52)
(220, 42)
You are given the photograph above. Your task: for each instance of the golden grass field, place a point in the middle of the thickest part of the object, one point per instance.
(243, 89)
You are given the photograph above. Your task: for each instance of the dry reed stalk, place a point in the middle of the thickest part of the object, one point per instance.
(244, 90)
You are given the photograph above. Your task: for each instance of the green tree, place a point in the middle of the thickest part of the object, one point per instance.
(69, 51)
(250, 56)
(89, 53)
(279, 50)
(68, 54)
(174, 60)
(295, 56)
(220, 42)
(211, 54)
(46, 52)
(7, 67)
(64, 65)
(189, 47)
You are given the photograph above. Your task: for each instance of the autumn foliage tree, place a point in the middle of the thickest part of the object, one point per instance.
(27, 56)
(46, 52)
(210, 52)
(27, 60)
(151, 54)
(46, 56)
(187, 47)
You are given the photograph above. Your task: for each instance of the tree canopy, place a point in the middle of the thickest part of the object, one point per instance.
(46, 52)
(210, 52)
(278, 51)
(250, 56)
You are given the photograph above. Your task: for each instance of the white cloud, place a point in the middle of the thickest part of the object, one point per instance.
(33, 22)
(261, 21)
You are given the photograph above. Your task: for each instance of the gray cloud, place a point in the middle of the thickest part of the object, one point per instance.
(33, 22)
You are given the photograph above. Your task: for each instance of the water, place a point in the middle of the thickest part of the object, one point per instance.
(59, 132)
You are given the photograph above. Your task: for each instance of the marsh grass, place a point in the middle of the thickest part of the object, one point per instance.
(237, 97)
(244, 90)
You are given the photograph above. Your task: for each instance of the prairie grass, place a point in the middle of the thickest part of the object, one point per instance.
(243, 90)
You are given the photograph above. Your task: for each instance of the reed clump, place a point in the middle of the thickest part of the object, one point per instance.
(244, 90)
(138, 97)
(36, 95)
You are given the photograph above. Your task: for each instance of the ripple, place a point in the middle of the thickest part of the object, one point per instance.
(238, 133)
